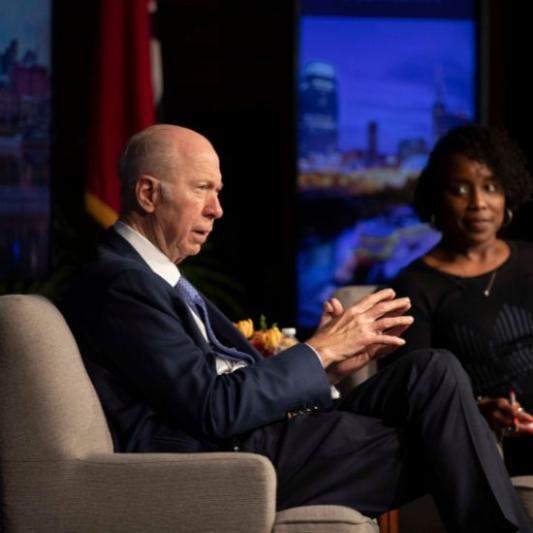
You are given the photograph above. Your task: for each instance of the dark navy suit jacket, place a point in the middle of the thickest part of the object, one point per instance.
(155, 373)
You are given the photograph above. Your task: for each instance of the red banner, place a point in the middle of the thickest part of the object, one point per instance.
(122, 101)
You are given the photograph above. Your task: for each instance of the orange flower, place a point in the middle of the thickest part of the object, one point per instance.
(272, 338)
(268, 341)
(246, 327)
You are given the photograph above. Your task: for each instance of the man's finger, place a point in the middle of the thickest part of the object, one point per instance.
(369, 301)
(390, 322)
(328, 307)
(397, 331)
(397, 306)
(388, 340)
(400, 310)
(337, 307)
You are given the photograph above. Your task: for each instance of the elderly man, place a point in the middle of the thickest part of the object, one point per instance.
(174, 375)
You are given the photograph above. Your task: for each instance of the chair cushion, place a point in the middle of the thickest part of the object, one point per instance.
(323, 519)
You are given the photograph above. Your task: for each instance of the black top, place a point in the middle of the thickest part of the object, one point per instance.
(492, 335)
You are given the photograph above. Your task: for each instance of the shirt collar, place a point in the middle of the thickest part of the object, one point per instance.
(154, 257)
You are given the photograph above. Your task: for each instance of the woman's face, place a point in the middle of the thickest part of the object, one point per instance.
(473, 203)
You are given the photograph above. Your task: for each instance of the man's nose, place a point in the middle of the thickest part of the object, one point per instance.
(213, 207)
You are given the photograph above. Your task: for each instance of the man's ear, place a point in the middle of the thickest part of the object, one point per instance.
(147, 192)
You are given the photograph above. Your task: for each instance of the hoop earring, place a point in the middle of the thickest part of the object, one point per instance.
(508, 217)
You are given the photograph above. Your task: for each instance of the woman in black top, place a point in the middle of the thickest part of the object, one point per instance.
(473, 292)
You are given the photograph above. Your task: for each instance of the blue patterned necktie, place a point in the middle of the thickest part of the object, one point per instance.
(195, 301)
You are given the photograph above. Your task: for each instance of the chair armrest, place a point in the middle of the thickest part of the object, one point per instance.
(524, 488)
(177, 492)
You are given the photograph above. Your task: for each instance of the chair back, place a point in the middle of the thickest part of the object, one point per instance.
(49, 410)
(349, 296)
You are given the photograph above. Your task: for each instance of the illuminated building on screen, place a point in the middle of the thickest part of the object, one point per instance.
(318, 111)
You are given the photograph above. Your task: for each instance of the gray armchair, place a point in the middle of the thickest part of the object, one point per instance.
(59, 472)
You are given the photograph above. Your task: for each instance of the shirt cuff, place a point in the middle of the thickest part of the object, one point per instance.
(335, 394)
(315, 352)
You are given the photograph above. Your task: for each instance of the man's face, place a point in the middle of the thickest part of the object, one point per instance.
(188, 206)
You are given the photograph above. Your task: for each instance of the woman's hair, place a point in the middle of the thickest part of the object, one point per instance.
(484, 145)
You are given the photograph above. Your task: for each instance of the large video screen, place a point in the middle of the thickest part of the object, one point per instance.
(379, 83)
(24, 138)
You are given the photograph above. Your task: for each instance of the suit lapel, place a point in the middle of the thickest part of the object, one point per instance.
(224, 329)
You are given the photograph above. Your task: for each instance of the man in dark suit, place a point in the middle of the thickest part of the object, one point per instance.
(174, 374)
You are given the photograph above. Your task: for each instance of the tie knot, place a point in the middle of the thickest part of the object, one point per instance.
(187, 291)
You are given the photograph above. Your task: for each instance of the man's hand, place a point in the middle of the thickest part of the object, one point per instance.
(332, 308)
(506, 417)
(347, 340)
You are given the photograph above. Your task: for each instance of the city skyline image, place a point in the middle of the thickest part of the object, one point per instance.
(374, 95)
(25, 119)
(385, 75)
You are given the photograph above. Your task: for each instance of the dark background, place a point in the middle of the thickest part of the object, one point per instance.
(229, 73)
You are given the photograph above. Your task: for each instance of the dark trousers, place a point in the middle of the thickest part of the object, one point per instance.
(412, 428)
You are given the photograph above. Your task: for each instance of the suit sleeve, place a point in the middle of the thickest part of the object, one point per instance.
(144, 336)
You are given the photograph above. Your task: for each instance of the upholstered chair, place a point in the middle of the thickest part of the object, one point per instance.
(59, 472)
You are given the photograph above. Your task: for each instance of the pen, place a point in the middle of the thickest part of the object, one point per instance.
(512, 401)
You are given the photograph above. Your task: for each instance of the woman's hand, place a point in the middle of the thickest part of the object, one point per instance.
(505, 417)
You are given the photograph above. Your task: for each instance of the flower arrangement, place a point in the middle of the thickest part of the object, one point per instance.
(268, 341)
